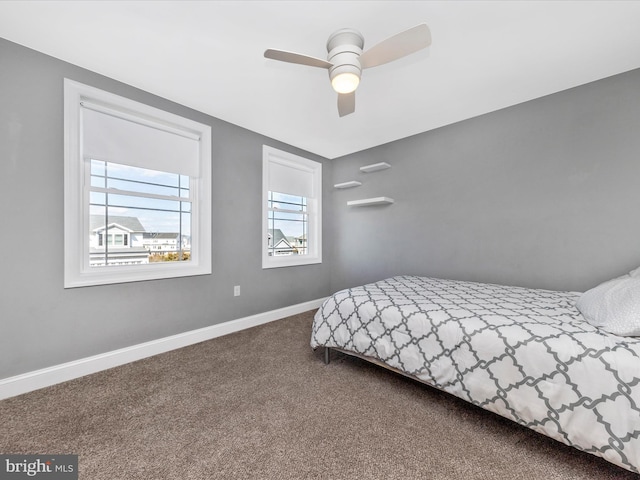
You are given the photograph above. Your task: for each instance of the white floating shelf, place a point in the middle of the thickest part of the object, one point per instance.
(365, 202)
(375, 167)
(350, 184)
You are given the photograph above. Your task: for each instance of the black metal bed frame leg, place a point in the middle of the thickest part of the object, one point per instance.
(327, 355)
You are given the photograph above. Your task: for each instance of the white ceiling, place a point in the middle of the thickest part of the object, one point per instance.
(208, 55)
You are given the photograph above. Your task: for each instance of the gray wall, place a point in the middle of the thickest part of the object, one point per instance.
(544, 194)
(41, 323)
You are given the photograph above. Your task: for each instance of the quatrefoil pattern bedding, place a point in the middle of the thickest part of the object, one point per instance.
(525, 354)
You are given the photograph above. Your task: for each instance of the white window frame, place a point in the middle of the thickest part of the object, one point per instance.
(77, 272)
(272, 156)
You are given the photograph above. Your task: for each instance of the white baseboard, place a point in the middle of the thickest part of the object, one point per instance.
(27, 382)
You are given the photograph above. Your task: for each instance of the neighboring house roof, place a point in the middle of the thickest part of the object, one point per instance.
(171, 236)
(128, 223)
(125, 251)
(277, 236)
(282, 244)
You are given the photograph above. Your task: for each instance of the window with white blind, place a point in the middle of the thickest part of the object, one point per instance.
(291, 209)
(137, 191)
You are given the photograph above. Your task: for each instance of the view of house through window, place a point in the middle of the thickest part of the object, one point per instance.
(137, 215)
(288, 224)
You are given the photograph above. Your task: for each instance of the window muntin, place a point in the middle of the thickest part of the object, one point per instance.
(107, 138)
(159, 201)
(288, 222)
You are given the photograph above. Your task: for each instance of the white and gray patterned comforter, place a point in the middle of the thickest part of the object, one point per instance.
(525, 354)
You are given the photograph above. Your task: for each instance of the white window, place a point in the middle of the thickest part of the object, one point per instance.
(133, 173)
(291, 209)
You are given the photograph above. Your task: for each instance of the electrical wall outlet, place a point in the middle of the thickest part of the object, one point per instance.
(236, 291)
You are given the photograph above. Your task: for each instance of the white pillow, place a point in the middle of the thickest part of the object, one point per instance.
(635, 273)
(614, 306)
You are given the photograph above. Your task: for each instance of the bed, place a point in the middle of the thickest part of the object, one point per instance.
(526, 354)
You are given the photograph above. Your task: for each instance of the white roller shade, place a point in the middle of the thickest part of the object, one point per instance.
(113, 138)
(289, 178)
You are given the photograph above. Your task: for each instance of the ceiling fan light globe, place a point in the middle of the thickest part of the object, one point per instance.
(345, 82)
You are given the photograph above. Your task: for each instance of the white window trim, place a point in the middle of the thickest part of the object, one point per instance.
(77, 272)
(314, 209)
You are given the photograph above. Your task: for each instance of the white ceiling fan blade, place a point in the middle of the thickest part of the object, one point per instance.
(346, 103)
(298, 58)
(398, 46)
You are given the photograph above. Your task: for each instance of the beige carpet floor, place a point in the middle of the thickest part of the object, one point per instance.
(260, 404)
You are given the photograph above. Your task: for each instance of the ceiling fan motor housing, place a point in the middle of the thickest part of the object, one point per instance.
(345, 59)
(344, 47)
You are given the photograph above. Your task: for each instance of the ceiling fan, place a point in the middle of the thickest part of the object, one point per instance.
(346, 60)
